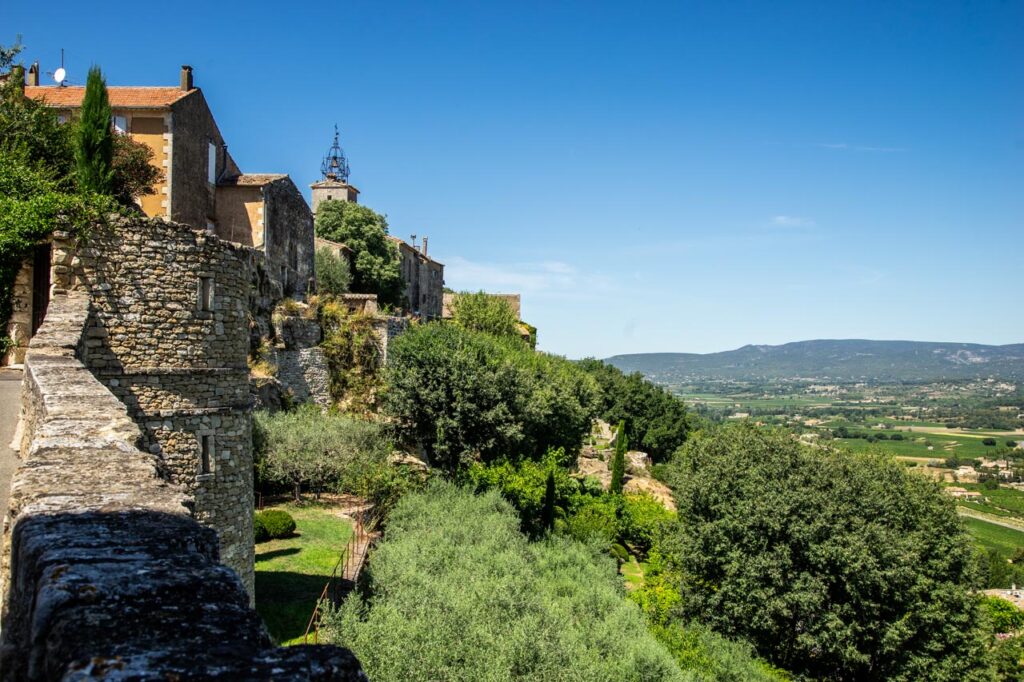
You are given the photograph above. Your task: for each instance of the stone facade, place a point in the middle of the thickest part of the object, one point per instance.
(200, 185)
(301, 363)
(424, 280)
(332, 189)
(168, 334)
(104, 572)
(268, 213)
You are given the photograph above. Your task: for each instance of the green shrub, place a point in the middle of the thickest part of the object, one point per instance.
(332, 273)
(259, 529)
(277, 522)
(457, 593)
(620, 553)
(644, 519)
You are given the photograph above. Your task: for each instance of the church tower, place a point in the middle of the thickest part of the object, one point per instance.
(333, 184)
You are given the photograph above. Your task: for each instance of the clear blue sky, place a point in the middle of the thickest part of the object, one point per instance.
(650, 176)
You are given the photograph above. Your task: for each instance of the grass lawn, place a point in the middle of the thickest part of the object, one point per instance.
(633, 572)
(291, 573)
(990, 536)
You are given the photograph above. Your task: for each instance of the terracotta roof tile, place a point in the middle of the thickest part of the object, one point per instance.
(120, 96)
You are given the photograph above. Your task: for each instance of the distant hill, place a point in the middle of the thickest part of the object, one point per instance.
(839, 360)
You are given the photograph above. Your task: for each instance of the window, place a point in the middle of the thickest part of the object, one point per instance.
(211, 164)
(120, 124)
(206, 454)
(205, 293)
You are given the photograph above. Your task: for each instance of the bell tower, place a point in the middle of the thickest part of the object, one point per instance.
(333, 184)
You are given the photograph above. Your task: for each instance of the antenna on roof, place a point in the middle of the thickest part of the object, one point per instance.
(60, 74)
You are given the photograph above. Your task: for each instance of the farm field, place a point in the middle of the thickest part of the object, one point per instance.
(291, 572)
(1005, 541)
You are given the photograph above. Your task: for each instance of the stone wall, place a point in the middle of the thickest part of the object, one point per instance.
(168, 334)
(19, 327)
(301, 364)
(104, 572)
(289, 237)
(384, 330)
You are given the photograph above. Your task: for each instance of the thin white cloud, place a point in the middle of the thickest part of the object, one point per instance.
(538, 279)
(791, 221)
(860, 148)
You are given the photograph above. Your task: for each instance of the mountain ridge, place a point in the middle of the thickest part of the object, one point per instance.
(835, 359)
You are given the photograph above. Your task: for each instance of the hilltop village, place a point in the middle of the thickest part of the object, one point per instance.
(257, 438)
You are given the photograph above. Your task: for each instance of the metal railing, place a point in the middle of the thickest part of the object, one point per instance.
(350, 562)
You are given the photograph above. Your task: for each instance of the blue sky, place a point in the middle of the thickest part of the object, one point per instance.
(650, 176)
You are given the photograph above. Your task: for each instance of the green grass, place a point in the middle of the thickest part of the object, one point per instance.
(633, 572)
(291, 573)
(1006, 541)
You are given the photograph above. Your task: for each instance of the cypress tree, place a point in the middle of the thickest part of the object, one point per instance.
(619, 459)
(548, 518)
(94, 142)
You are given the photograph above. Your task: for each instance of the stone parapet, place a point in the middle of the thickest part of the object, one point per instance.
(105, 572)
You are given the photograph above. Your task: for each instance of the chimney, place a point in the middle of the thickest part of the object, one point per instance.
(424, 245)
(33, 75)
(186, 77)
(413, 240)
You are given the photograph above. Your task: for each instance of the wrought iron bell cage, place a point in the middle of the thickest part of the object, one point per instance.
(335, 165)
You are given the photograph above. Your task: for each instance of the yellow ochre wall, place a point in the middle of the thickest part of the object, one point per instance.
(149, 128)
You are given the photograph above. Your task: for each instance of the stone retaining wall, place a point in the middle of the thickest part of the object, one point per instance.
(105, 574)
(168, 333)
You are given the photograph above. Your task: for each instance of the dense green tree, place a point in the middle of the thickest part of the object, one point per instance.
(375, 260)
(483, 312)
(548, 517)
(619, 459)
(133, 174)
(94, 139)
(833, 565)
(1003, 615)
(656, 421)
(464, 395)
(332, 273)
(456, 592)
(305, 447)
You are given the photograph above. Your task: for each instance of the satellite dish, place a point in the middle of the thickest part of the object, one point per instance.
(59, 75)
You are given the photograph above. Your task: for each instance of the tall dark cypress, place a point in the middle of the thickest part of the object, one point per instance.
(94, 143)
(549, 502)
(619, 459)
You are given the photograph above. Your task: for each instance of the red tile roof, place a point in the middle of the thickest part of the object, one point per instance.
(121, 97)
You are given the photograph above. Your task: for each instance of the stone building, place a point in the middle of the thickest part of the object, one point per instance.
(424, 279)
(168, 334)
(268, 213)
(423, 276)
(333, 184)
(202, 186)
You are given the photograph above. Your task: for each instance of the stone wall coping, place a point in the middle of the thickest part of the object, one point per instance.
(105, 572)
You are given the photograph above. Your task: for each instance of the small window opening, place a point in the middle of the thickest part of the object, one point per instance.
(206, 293)
(206, 454)
(120, 124)
(211, 164)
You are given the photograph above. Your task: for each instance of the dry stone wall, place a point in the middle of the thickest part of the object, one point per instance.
(168, 333)
(105, 573)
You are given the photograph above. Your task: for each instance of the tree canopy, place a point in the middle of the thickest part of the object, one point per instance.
(332, 273)
(656, 421)
(483, 312)
(375, 263)
(94, 139)
(304, 447)
(456, 592)
(463, 394)
(833, 565)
